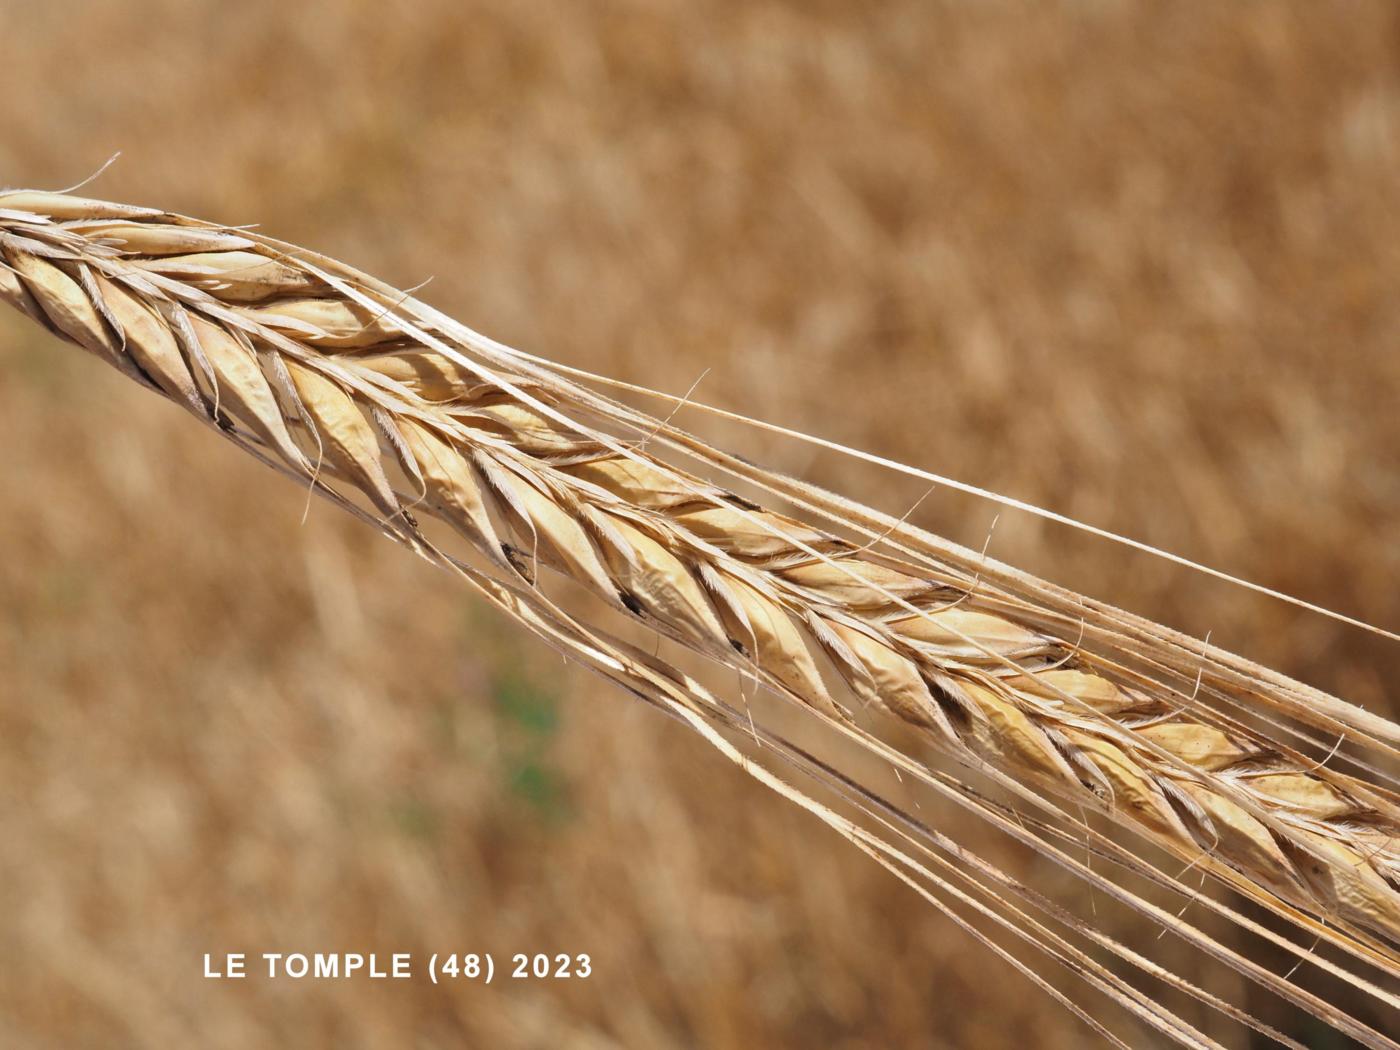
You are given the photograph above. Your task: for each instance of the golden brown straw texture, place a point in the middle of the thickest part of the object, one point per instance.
(358, 390)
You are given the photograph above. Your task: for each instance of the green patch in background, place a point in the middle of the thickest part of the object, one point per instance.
(528, 720)
(416, 819)
(525, 704)
(526, 715)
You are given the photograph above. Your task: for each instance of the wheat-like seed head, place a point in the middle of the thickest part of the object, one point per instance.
(353, 387)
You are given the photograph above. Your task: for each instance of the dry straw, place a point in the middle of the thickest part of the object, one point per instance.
(400, 415)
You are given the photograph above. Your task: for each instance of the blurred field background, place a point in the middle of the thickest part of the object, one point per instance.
(1135, 263)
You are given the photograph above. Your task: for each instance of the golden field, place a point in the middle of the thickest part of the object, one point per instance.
(1133, 264)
